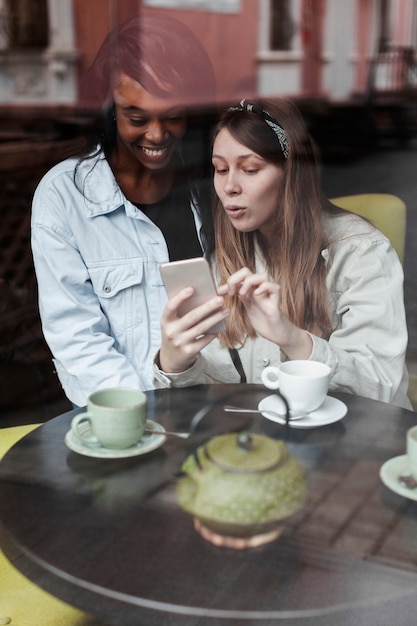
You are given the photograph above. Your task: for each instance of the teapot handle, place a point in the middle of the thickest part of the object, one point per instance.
(209, 406)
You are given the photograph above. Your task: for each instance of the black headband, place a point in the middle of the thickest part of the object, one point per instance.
(268, 119)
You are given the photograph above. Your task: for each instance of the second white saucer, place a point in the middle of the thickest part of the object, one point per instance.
(332, 410)
(390, 473)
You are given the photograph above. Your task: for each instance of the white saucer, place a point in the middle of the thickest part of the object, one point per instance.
(146, 444)
(332, 410)
(390, 472)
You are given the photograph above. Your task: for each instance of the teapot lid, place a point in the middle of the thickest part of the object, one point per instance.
(244, 452)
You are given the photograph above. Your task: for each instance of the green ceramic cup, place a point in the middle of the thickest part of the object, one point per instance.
(115, 418)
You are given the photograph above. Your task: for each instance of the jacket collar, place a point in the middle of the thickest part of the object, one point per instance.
(101, 192)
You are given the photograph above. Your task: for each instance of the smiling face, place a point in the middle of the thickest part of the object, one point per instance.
(149, 127)
(247, 185)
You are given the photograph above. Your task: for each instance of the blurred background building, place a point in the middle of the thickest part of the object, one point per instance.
(304, 48)
(350, 66)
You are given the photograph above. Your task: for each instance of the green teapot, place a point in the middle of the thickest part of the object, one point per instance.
(239, 486)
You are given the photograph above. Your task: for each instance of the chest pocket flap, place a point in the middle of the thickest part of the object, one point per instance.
(109, 281)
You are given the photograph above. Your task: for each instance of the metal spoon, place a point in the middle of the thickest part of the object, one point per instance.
(236, 409)
(150, 431)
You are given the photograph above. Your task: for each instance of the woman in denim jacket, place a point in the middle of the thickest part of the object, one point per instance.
(104, 221)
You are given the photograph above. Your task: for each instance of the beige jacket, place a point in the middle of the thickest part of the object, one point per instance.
(366, 350)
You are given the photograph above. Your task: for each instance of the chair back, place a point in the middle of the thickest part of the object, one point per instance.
(386, 211)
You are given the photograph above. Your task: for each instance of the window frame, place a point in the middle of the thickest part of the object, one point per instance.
(265, 53)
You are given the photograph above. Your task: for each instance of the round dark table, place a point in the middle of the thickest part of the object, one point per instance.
(108, 536)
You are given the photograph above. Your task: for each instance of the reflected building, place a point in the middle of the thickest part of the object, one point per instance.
(316, 49)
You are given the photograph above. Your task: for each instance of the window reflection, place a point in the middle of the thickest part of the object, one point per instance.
(25, 23)
(282, 27)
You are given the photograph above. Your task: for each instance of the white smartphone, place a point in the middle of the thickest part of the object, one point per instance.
(194, 273)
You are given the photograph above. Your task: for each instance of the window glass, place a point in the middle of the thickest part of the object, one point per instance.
(25, 23)
(282, 27)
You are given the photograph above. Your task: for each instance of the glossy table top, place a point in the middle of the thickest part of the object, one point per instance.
(107, 535)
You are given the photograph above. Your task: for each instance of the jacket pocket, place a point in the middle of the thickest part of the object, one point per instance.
(121, 294)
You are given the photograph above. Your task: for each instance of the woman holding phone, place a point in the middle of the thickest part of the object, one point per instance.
(300, 278)
(104, 221)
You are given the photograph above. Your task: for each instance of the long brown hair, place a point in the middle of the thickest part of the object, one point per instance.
(295, 262)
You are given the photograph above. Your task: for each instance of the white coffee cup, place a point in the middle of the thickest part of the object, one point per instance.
(115, 418)
(412, 450)
(304, 384)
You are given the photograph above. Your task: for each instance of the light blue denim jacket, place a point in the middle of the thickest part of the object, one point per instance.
(101, 296)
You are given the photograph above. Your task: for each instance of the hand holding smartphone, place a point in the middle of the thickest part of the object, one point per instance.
(194, 273)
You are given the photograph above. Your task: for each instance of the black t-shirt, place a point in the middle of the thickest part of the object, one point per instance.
(174, 217)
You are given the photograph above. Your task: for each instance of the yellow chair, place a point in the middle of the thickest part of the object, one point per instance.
(21, 602)
(386, 211)
(389, 214)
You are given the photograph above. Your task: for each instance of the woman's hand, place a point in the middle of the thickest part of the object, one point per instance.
(184, 337)
(261, 299)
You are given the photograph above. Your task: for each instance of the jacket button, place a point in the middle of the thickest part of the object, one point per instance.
(107, 289)
(264, 362)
